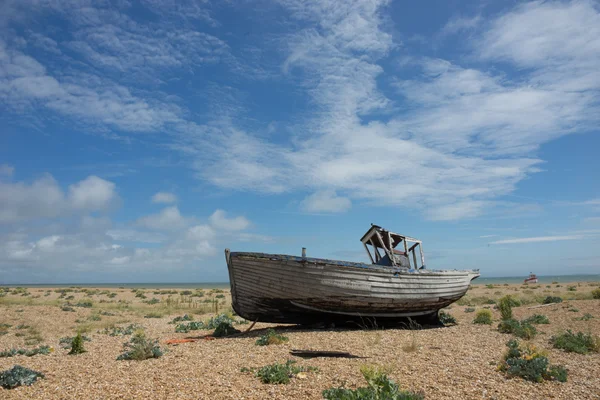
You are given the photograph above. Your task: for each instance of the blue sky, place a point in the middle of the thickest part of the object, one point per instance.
(140, 138)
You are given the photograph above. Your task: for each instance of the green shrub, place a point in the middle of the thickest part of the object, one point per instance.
(520, 329)
(530, 364)
(379, 387)
(505, 305)
(537, 319)
(140, 348)
(552, 299)
(225, 328)
(596, 293)
(280, 373)
(585, 317)
(18, 376)
(26, 352)
(86, 303)
(190, 326)
(120, 330)
(77, 345)
(489, 286)
(186, 292)
(446, 318)
(483, 317)
(152, 301)
(67, 308)
(572, 288)
(185, 317)
(153, 315)
(576, 342)
(469, 310)
(66, 342)
(271, 337)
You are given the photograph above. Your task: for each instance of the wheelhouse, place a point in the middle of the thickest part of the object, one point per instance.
(392, 249)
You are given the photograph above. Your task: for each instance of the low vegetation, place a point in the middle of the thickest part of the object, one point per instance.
(596, 293)
(521, 329)
(18, 376)
(120, 330)
(140, 348)
(26, 352)
(446, 318)
(379, 387)
(538, 319)
(529, 363)
(552, 299)
(77, 345)
(579, 342)
(281, 373)
(271, 337)
(66, 342)
(483, 317)
(469, 310)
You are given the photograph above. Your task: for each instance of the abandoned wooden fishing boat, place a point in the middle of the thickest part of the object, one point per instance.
(304, 290)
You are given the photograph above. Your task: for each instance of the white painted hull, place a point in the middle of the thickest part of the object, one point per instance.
(279, 288)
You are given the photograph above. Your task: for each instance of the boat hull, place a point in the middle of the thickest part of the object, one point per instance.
(288, 289)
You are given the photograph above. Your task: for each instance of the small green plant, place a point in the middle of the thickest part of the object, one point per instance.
(521, 329)
(26, 352)
(153, 315)
(67, 308)
(537, 319)
(140, 348)
(280, 373)
(489, 286)
(530, 364)
(483, 317)
(77, 345)
(585, 317)
(185, 317)
(572, 288)
(379, 387)
(120, 330)
(190, 326)
(576, 342)
(469, 310)
(86, 303)
(66, 342)
(596, 293)
(552, 299)
(18, 376)
(446, 318)
(271, 337)
(152, 301)
(225, 328)
(505, 305)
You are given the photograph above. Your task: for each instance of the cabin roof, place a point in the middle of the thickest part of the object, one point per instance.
(376, 233)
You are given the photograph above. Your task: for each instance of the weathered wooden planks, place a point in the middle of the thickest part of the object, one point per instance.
(274, 288)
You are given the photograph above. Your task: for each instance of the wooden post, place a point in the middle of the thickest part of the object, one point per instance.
(304, 252)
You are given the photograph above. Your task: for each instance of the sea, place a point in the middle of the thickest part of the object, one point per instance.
(225, 285)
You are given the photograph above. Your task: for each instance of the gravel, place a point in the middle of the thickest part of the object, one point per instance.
(453, 362)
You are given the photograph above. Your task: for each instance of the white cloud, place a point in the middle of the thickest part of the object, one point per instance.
(467, 137)
(168, 218)
(458, 24)
(92, 194)
(19, 201)
(164, 197)
(220, 221)
(326, 201)
(538, 239)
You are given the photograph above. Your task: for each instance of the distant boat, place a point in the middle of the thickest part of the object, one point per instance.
(531, 279)
(304, 290)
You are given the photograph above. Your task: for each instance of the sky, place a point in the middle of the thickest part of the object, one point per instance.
(139, 139)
